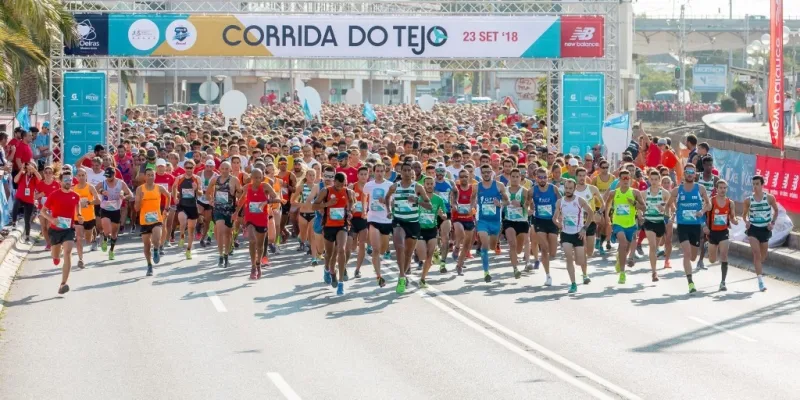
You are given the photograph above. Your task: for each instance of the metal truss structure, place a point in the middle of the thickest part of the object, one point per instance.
(553, 68)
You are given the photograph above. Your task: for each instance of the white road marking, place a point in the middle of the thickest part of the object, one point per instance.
(723, 330)
(566, 376)
(216, 301)
(284, 387)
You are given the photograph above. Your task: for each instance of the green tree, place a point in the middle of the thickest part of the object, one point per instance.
(652, 81)
(27, 32)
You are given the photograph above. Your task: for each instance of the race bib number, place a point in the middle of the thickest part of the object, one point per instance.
(256, 208)
(111, 205)
(187, 193)
(221, 197)
(445, 196)
(760, 216)
(63, 222)
(688, 215)
(623, 210)
(376, 206)
(359, 207)
(164, 185)
(515, 212)
(337, 214)
(151, 217)
(570, 220)
(27, 192)
(544, 210)
(464, 209)
(721, 219)
(403, 206)
(488, 209)
(427, 219)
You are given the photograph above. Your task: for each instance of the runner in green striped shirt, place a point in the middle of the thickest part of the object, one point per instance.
(429, 229)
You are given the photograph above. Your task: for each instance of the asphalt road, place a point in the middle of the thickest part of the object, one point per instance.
(197, 331)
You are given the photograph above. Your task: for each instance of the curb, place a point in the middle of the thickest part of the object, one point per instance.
(11, 256)
(775, 258)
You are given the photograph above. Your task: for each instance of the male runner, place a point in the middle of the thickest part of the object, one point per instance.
(625, 201)
(113, 192)
(185, 193)
(255, 200)
(592, 195)
(151, 217)
(288, 182)
(718, 220)
(405, 197)
(222, 193)
(166, 181)
(359, 229)
(88, 198)
(203, 204)
(545, 196)
(515, 220)
(429, 232)
(60, 210)
(760, 213)
(443, 187)
(692, 204)
(380, 225)
(655, 217)
(571, 218)
(603, 182)
(708, 181)
(491, 196)
(462, 199)
(337, 202)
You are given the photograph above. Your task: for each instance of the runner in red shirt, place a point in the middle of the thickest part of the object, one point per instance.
(47, 185)
(26, 181)
(60, 210)
(350, 172)
(167, 181)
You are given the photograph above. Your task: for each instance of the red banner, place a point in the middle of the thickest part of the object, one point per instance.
(582, 36)
(781, 179)
(775, 92)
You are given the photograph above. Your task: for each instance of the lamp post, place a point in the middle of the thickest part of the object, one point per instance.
(264, 80)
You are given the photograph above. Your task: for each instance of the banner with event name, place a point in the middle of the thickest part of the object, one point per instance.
(737, 169)
(781, 177)
(313, 36)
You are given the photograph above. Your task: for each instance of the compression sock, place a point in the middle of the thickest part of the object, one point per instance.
(724, 265)
(689, 278)
(485, 259)
(113, 243)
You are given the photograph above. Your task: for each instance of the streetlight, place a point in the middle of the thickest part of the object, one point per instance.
(395, 77)
(264, 79)
(757, 58)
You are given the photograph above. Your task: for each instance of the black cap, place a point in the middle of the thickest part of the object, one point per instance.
(151, 153)
(99, 147)
(109, 172)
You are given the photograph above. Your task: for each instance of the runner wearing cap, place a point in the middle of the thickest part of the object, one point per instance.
(60, 210)
(112, 191)
(405, 197)
(204, 207)
(443, 186)
(151, 216)
(221, 194)
(692, 204)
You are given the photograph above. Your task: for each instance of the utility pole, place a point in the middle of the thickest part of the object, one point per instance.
(682, 60)
(730, 51)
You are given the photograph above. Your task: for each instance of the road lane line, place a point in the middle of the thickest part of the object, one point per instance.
(284, 387)
(535, 346)
(216, 301)
(723, 330)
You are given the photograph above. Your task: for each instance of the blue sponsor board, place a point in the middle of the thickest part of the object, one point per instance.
(582, 112)
(85, 119)
(737, 169)
(92, 35)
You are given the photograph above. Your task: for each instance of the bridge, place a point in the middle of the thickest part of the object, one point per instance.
(660, 34)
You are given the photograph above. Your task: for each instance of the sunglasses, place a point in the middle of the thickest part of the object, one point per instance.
(689, 172)
(326, 176)
(625, 178)
(606, 167)
(541, 176)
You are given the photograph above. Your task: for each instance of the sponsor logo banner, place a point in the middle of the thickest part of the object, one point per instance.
(737, 169)
(781, 179)
(353, 37)
(775, 84)
(710, 78)
(85, 120)
(583, 112)
(92, 35)
(582, 36)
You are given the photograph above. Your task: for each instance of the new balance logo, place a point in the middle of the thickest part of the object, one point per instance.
(582, 33)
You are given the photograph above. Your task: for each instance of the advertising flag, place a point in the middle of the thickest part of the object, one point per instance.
(369, 112)
(24, 118)
(775, 92)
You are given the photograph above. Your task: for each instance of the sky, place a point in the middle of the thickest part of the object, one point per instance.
(671, 8)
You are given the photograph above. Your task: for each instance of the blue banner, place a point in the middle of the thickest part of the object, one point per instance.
(85, 120)
(710, 78)
(92, 35)
(737, 169)
(582, 112)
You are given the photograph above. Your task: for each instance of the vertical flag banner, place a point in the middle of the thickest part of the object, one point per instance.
(85, 120)
(307, 111)
(775, 92)
(369, 112)
(24, 118)
(582, 112)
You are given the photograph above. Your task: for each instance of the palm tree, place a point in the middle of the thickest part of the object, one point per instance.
(28, 29)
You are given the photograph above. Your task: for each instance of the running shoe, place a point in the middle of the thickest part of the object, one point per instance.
(149, 270)
(381, 281)
(423, 284)
(314, 262)
(573, 288)
(272, 248)
(48, 247)
(236, 245)
(517, 274)
(301, 247)
(722, 287)
(308, 251)
(469, 255)
(340, 289)
(622, 278)
(63, 289)
(172, 241)
(601, 251)
(93, 248)
(529, 267)
(387, 255)
(419, 265)
(346, 277)
(161, 251)
(156, 256)
(639, 250)
(180, 242)
(326, 276)
(660, 253)
(334, 280)
(436, 257)
(486, 277)
(761, 286)
(369, 250)
(103, 245)
(655, 276)
(442, 267)
(692, 289)
(357, 274)
(497, 248)
(586, 280)
(220, 262)
(253, 273)
(548, 281)
(608, 244)
(598, 244)
(80, 264)
(202, 243)
(188, 254)
(264, 261)
(460, 270)
(401, 286)
(110, 255)
(536, 265)
(701, 264)
(56, 261)
(631, 262)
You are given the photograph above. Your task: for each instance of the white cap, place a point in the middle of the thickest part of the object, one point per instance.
(161, 162)
(210, 163)
(573, 162)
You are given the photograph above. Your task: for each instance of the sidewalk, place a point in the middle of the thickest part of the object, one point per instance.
(12, 254)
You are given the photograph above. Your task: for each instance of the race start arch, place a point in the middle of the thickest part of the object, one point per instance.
(574, 43)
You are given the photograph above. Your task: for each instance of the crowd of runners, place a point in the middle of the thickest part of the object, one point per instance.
(442, 187)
